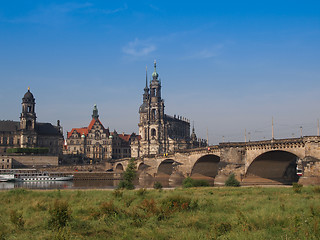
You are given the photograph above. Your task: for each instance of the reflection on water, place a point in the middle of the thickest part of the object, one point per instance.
(85, 184)
(144, 180)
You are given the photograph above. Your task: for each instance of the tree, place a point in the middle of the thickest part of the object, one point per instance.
(232, 181)
(128, 176)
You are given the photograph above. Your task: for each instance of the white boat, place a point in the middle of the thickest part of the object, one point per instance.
(40, 176)
(6, 177)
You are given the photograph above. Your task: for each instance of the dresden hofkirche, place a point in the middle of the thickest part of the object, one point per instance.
(28, 133)
(160, 133)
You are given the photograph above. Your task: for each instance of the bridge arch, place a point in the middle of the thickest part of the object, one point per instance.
(166, 167)
(206, 165)
(119, 167)
(142, 166)
(275, 165)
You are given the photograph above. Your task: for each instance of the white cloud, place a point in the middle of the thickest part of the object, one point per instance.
(108, 11)
(210, 52)
(139, 48)
(69, 7)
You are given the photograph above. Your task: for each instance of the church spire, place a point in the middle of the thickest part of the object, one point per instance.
(146, 79)
(155, 74)
(95, 114)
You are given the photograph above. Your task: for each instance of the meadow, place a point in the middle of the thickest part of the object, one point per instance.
(181, 213)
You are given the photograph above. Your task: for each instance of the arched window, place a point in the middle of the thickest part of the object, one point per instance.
(145, 133)
(29, 125)
(153, 114)
(153, 132)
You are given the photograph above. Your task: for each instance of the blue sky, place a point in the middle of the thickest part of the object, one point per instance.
(226, 65)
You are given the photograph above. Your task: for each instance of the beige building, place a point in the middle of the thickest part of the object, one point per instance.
(28, 134)
(160, 133)
(96, 142)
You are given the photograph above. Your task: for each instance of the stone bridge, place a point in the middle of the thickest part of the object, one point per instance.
(276, 161)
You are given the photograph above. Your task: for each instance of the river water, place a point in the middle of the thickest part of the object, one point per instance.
(93, 184)
(76, 184)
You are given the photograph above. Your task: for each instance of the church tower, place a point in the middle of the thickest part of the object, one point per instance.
(152, 125)
(28, 120)
(28, 115)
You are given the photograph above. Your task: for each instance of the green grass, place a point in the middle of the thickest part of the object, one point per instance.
(190, 213)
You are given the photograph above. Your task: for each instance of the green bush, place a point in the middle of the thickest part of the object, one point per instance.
(297, 188)
(117, 193)
(157, 185)
(189, 182)
(232, 181)
(28, 150)
(142, 192)
(60, 214)
(128, 176)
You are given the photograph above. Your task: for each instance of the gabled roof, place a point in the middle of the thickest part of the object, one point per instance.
(125, 137)
(81, 131)
(93, 121)
(86, 130)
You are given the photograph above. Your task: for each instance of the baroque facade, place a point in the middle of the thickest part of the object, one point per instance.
(96, 142)
(160, 133)
(28, 133)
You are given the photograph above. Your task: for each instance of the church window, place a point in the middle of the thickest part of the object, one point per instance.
(145, 133)
(29, 108)
(153, 114)
(153, 132)
(5, 140)
(29, 125)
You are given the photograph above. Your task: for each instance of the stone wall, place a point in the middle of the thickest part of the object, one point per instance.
(32, 161)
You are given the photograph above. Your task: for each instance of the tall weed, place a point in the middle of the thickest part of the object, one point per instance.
(60, 214)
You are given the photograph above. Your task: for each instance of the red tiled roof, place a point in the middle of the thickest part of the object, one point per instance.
(85, 130)
(93, 121)
(124, 137)
(81, 131)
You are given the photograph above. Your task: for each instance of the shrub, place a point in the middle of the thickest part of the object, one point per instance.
(232, 181)
(141, 192)
(297, 187)
(157, 185)
(149, 206)
(117, 193)
(109, 208)
(178, 203)
(189, 182)
(128, 176)
(223, 228)
(316, 189)
(60, 214)
(16, 218)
